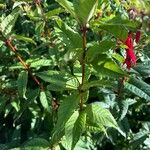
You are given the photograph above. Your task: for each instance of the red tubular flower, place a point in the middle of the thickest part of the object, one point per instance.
(130, 58)
(129, 41)
(130, 55)
(138, 36)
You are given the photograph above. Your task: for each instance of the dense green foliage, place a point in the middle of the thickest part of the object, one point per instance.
(65, 81)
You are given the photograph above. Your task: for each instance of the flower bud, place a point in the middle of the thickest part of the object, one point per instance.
(38, 2)
(138, 36)
(7, 41)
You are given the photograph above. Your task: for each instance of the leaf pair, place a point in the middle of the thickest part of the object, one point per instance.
(59, 80)
(73, 123)
(81, 10)
(8, 23)
(116, 26)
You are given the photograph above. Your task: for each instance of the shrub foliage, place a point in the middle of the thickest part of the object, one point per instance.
(74, 74)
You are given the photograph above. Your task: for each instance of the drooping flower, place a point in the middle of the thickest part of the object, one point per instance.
(138, 36)
(130, 59)
(129, 41)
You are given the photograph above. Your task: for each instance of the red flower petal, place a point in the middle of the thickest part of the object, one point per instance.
(129, 41)
(130, 55)
(130, 58)
(138, 36)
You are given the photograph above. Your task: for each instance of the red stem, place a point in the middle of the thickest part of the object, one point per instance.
(26, 67)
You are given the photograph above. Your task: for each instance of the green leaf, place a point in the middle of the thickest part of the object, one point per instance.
(125, 22)
(35, 143)
(65, 111)
(118, 57)
(99, 48)
(107, 67)
(16, 4)
(32, 148)
(111, 65)
(116, 26)
(99, 116)
(69, 126)
(138, 139)
(139, 88)
(22, 83)
(31, 97)
(95, 128)
(74, 127)
(2, 6)
(85, 9)
(78, 128)
(15, 105)
(25, 0)
(117, 30)
(8, 23)
(143, 69)
(81, 10)
(123, 106)
(38, 63)
(39, 29)
(85, 143)
(23, 38)
(104, 72)
(3, 147)
(97, 83)
(60, 79)
(75, 40)
(53, 12)
(43, 100)
(68, 6)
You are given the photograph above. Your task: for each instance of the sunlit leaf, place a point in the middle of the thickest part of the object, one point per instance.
(22, 83)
